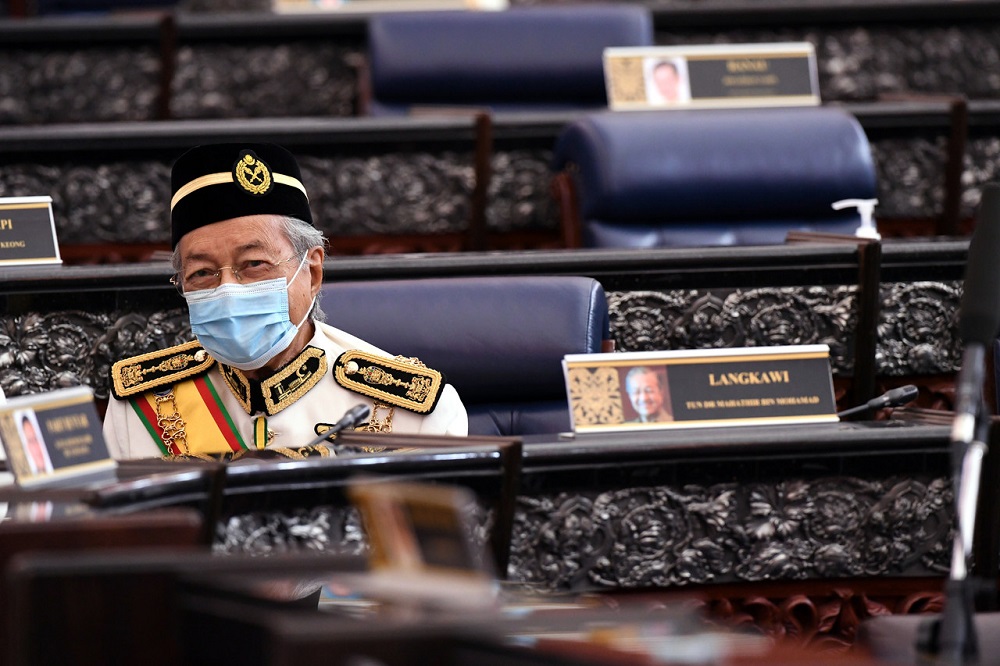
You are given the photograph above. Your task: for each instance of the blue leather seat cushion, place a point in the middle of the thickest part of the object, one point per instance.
(529, 53)
(496, 339)
(524, 418)
(381, 109)
(717, 166)
(598, 233)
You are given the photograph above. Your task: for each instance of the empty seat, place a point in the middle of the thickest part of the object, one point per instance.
(532, 58)
(719, 177)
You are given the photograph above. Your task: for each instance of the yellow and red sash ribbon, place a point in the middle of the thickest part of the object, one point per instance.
(208, 426)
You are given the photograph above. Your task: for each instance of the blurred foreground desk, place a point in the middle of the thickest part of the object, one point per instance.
(801, 530)
(809, 526)
(158, 609)
(398, 630)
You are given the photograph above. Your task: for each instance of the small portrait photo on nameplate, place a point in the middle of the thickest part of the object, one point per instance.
(700, 388)
(27, 232)
(55, 439)
(711, 76)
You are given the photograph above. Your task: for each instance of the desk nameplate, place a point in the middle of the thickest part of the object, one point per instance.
(27, 231)
(700, 388)
(55, 439)
(711, 76)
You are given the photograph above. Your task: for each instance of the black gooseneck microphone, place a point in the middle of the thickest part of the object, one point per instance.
(951, 639)
(896, 397)
(351, 418)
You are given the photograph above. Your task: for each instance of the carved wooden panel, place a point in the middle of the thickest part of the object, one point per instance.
(666, 536)
(126, 201)
(917, 329)
(43, 350)
(60, 85)
(383, 194)
(265, 80)
(676, 535)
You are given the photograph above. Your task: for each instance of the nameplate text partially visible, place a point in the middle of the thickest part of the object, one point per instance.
(27, 231)
(711, 76)
(55, 439)
(700, 388)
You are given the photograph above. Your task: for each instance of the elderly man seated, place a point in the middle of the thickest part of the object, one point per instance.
(265, 371)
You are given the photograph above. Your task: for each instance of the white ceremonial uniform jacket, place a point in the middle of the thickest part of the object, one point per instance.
(295, 426)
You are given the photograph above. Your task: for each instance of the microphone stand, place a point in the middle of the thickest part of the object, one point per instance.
(951, 639)
(351, 419)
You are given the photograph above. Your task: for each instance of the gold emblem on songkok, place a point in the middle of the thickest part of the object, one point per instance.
(405, 383)
(139, 374)
(252, 174)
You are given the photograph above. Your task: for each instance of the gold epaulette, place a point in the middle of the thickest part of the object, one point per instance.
(394, 381)
(142, 373)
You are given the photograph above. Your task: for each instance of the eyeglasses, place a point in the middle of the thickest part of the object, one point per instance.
(251, 270)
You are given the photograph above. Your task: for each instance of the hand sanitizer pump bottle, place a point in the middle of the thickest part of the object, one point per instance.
(866, 209)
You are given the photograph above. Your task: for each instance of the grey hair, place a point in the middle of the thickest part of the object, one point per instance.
(303, 237)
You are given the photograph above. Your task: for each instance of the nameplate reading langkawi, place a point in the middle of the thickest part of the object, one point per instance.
(55, 439)
(711, 76)
(700, 388)
(27, 231)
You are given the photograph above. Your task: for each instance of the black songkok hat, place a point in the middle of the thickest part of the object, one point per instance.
(218, 182)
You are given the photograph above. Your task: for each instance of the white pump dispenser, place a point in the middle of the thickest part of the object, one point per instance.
(866, 209)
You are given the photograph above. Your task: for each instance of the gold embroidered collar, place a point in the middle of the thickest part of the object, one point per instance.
(280, 390)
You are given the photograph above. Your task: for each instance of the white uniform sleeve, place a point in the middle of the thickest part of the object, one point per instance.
(115, 430)
(449, 416)
(125, 435)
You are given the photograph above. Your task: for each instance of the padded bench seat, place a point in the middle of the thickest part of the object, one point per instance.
(710, 177)
(499, 340)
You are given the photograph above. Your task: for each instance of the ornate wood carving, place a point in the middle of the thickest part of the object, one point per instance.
(917, 322)
(387, 195)
(361, 195)
(45, 350)
(668, 536)
(60, 85)
(41, 352)
(296, 78)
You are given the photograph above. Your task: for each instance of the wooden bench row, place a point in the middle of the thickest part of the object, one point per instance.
(441, 183)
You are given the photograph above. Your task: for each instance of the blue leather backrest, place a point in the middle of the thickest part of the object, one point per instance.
(499, 340)
(548, 56)
(777, 168)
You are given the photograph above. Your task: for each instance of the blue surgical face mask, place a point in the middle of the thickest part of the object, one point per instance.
(244, 325)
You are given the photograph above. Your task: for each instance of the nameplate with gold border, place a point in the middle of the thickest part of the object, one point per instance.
(27, 231)
(700, 388)
(55, 439)
(711, 76)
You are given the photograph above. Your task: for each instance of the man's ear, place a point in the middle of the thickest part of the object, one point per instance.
(315, 257)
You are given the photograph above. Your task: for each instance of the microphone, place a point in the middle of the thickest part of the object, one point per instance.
(979, 312)
(351, 418)
(951, 638)
(896, 397)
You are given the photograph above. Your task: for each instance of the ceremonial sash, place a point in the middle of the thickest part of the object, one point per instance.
(207, 424)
